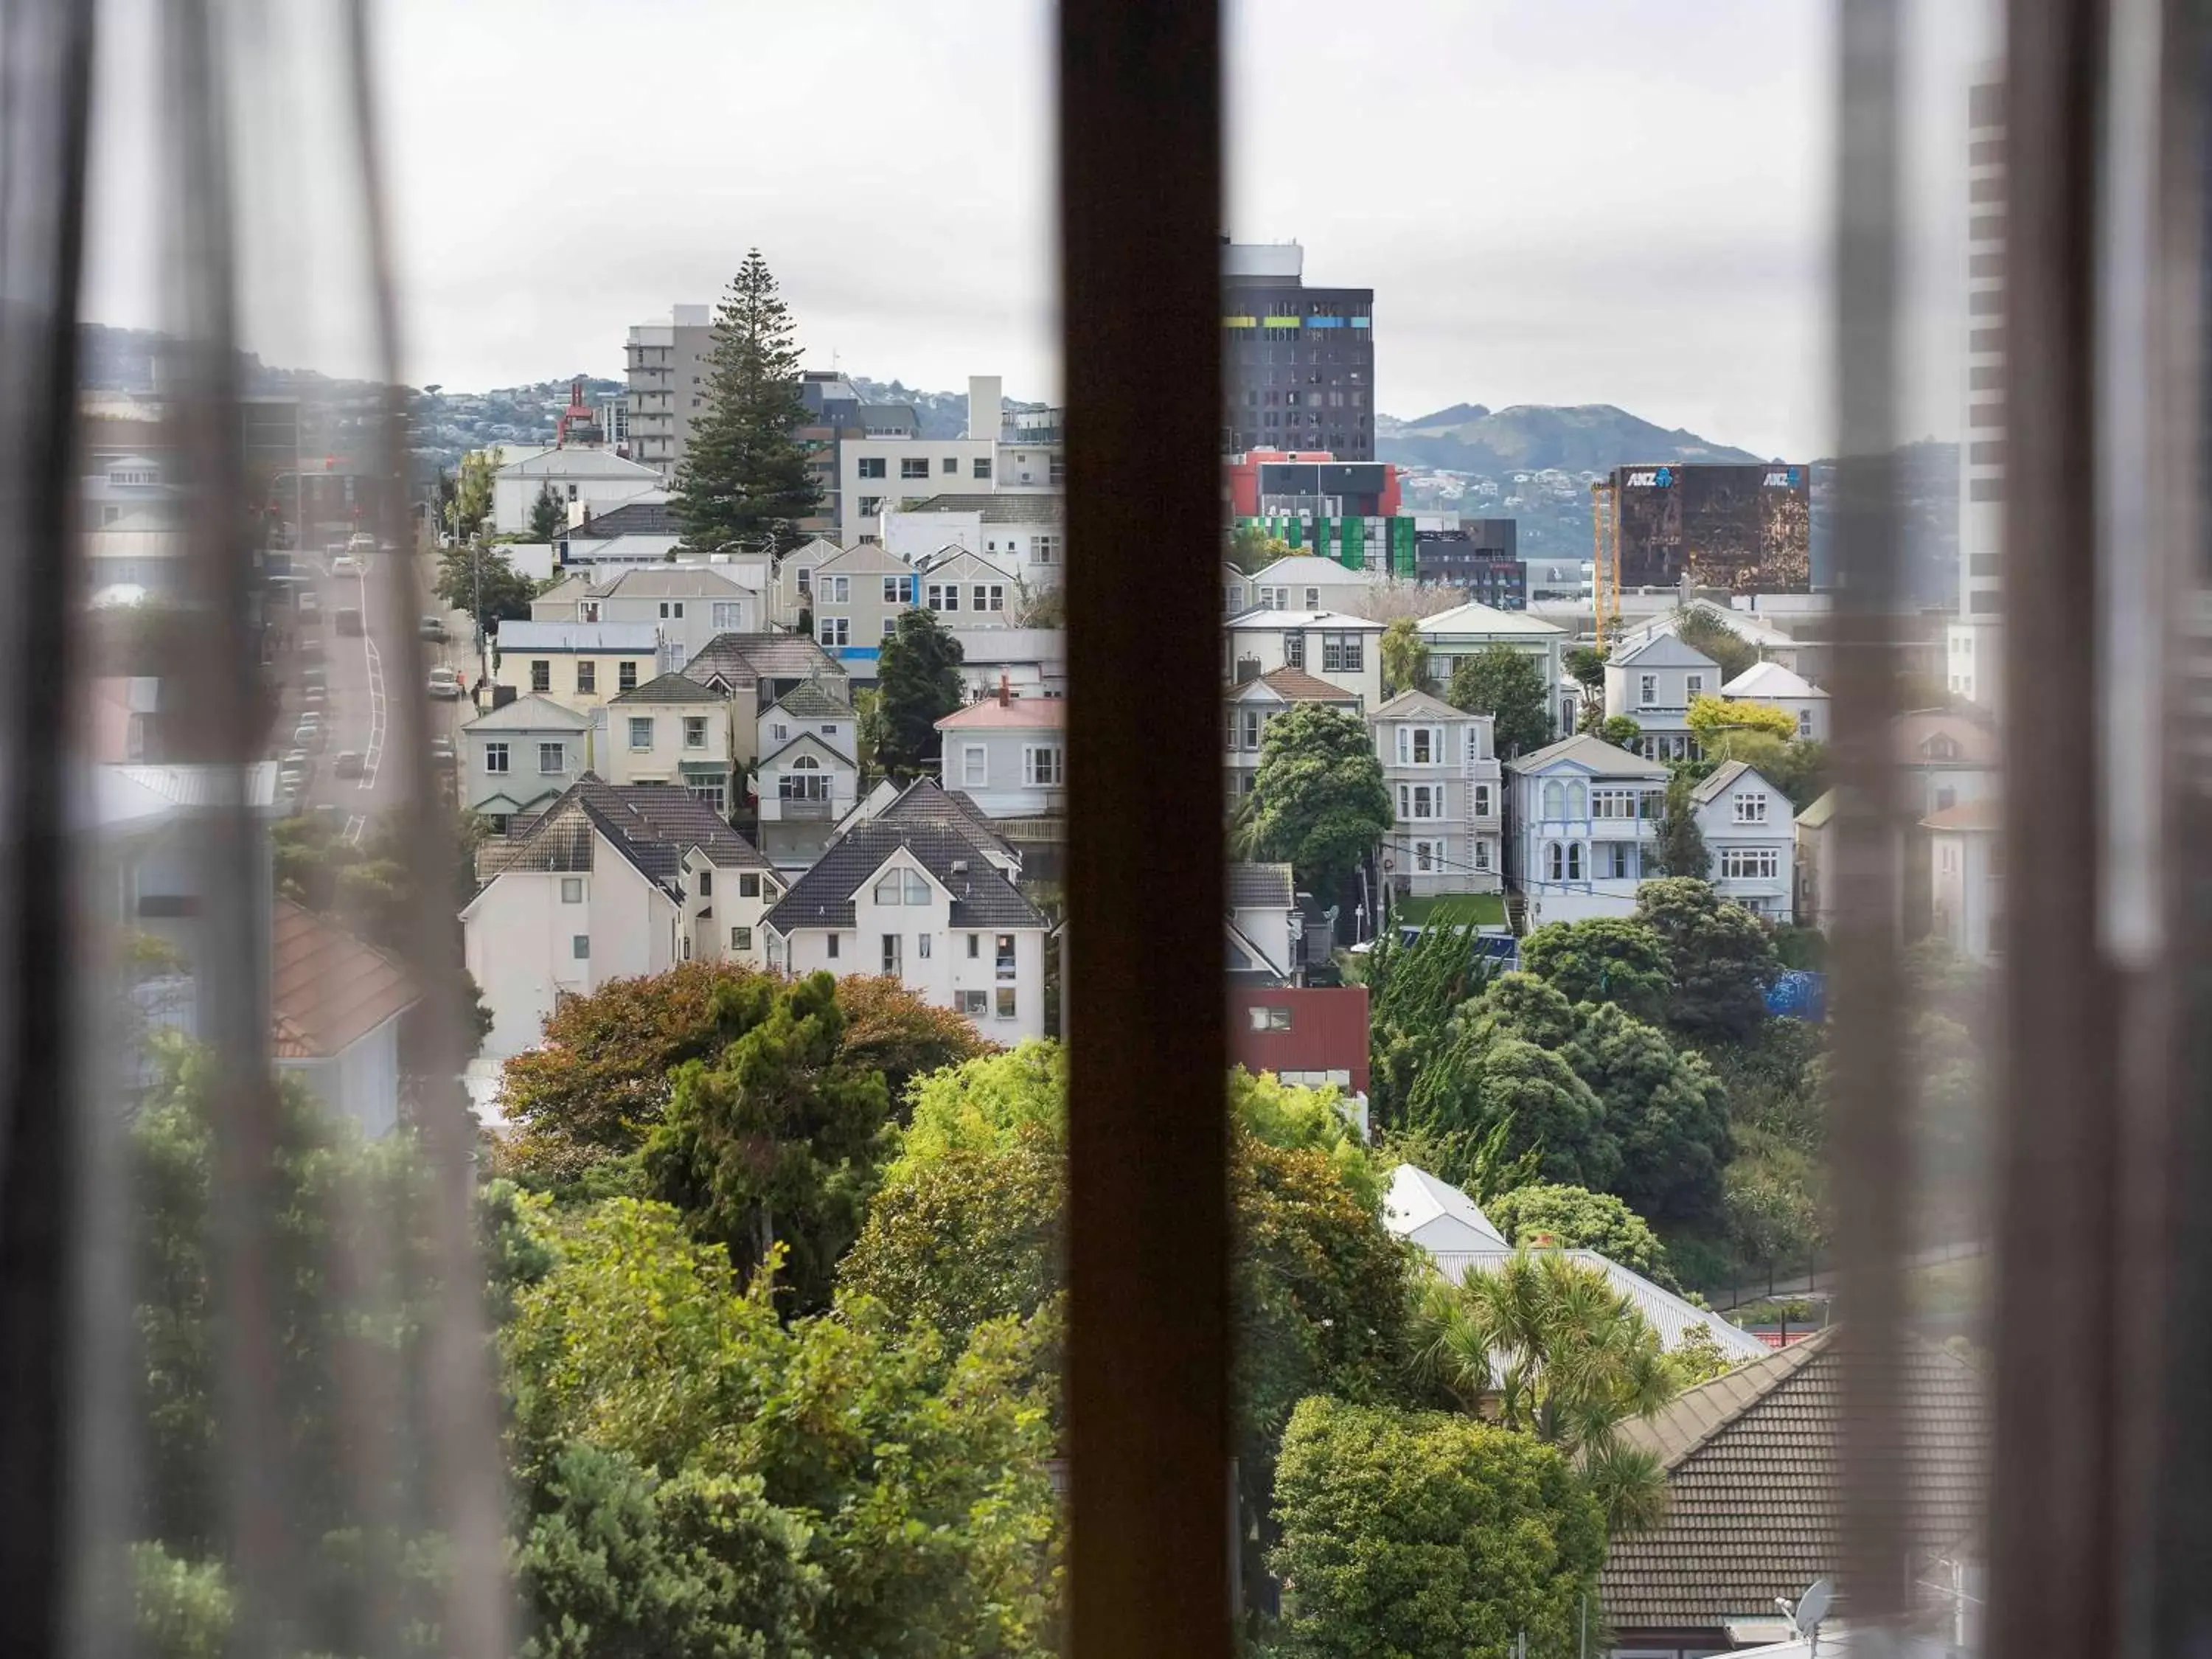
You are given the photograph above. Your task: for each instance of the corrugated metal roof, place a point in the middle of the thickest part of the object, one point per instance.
(633, 639)
(1593, 754)
(1665, 1312)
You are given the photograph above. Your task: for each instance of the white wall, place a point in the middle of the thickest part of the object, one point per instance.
(999, 788)
(511, 498)
(1265, 645)
(1771, 896)
(858, 518)
(663, 760)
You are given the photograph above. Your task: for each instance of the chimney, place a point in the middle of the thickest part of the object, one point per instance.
(1006, 689)
(985, 398)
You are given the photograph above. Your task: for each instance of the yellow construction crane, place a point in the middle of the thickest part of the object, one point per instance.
(1605, 556)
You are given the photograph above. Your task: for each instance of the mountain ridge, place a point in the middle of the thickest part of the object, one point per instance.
(1475, 438)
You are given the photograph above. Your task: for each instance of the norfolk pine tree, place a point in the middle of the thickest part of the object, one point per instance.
(743, 480)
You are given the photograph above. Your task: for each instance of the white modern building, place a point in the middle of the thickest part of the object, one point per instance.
(1441, 770)
(1751, 836)
(1775, 687)
(1344, 650)
(523, 755)
(877, 476)
(1653, 682)
(667, 368)
(1582, 825)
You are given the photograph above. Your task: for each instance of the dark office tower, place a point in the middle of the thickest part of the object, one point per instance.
(1297, 363)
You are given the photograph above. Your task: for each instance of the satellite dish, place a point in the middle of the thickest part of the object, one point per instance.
(1812, 1607)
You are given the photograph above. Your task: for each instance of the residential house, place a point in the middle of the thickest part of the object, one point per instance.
(1305, 582)
(607, 883)
(1751, 836)
(1947, 760)
(920, 903)
(1255, 704)
(969, 591)
(756, 669)
(642, 530)
(1582, 827)
(1236, 596)
(1771, 643)
(522, 755)
(582, 665)
(924, 802)
(1816, 884)
(691, 604)
(809, 773)
(1344, 650)
(336, 1006)
(1967, 877)
(673, 730)
(558, 604)
(1756, 1477)
(858, 598)
(1654, 682)
(1025, 532)
(1467, 631)
(1008, 755)
(1440, 767)
(1032, 662)
(1266, 939)
(1777, 687)
(1436, 1216)
(791, 590)
(579, 477)
(1314, 1036)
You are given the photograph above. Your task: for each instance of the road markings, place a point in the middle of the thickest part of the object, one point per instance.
(372, 756)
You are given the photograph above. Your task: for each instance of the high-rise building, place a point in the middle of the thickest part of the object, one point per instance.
(667, 364)
(1971, 642)
(1297, 363)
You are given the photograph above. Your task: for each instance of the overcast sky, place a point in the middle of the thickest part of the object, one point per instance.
(1556, 201)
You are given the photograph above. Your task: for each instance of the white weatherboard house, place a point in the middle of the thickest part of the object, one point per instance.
(523, 755)
(1777, 687)
(690, 604)
(1304, 582)
(809, 775)
(1751, 836)
(579, 477)
(1008, 755)
(925, 903)
(1435, 1215)
(607, 884)
(1654, 682)
(1344, 650)
(673, 730)
(1582, 822)
(1965, 868)
(1441, 770)
(1452, 636)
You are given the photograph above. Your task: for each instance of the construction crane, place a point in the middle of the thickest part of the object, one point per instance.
(1605, 556)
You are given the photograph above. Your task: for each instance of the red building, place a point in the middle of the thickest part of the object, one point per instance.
(1309, 482)
(1308, 1037)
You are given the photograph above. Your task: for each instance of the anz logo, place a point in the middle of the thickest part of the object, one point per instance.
(1653, 478)
(1782, 478)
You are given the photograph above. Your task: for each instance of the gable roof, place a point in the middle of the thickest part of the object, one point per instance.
(1309, 570)
(1260, 619)
(1017, 713)
(1725, 776)
(1663, 651)
(1975, 816)
(637, 639)
(1745, 627)
(669, 687)
(581, 463)
(1474, 618)
(1816, 815)
(1917, 733)
(1243, 960)
(811, 700)
(807, 738)
(955, 563)
(1413, 704)
(746, 660)
(1254, 885)
(1014, 507)
(652, 825)
(1754, 1478)
(1435, 1215)
(982, 896)
(1771, 680)
(533, 712)
(327, 989)
(1599, 757)
(1292, 685)
(869, 556)
(669, 581)
(924, 801)
(566, 591)
(645, 515)
(1668, 1314)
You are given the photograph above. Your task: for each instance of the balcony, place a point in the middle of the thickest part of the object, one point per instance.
(792, 809)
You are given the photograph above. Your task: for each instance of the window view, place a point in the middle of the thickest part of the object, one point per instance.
(1685, 507)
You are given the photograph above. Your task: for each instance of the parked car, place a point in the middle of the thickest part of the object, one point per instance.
(445, 683)
(349, 620)
(345, 565)
(347, 765)
(310, 603)
(312, 735)
(433, 627)
(314, 696)
(361, 542)
(442, 754)
(314, 673)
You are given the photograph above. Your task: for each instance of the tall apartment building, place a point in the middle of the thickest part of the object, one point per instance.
(1298, 369)
(667, 364)
(1971, 643)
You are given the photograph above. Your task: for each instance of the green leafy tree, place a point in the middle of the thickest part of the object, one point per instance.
(1772, 1206)
(918, 684)
(1511, 1111)
(1801, 773)
(1507, 685)
(745, 480)
(1405, 657)
(1545, 1345)
(1666, 1108)
(1620, 732)
(1718, 954)
(1424, 1535)
(1710, 715)
(483, 582)
(1252, 550)
(1318, 800)
(1706, 634)
(1411, 990)
(1587, 664)
(549, 515)
(1604, 959)
(778, 1140)
(469, 505)
(1575, 1218)
(1682, 847)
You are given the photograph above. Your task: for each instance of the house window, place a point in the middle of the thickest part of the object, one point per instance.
(671, 608)
(729, 614)
(741, 939)
(1574, 860)
(830, 950)
(1254, 723)
(806, 579)
(640, 731)
(1482, 802)
(1044, 549)
(1752, 863)
(1482, 855)
(1421, 800)
(705, 883)
(1044, 766)
(952, 466)
(695, 730)
(781, 730)
(587, 678)
(1294, 650)
(1424, 858)
(1612, 803)
(541, 673)
(1271, 599)
(1420, 746)
(1342, 653)
(1555, 863)
(626, 676)
(983, 469)
(1750, 809)
(975, 1004)
(871, 466)
(1804, 722)
(572, 890)
(1647, 690)
(572, 492)
(1693, 687)
(834, 631)
(974, 946)
(580, 946)
(806, 781)
(1577, 801)
(898, 590)
(837, 590)
(1617, 860)
(921, 946)
(552, 759)
(495, 757)
(913, 466)
(712, 793)
(891, 626)
(870, 505)
(1005, 965)
(975, 765)
(891, 960)
(748, 886)
(1946, 798)
(1006, 1008)
(943, 595)
(1269, 1019)
(1555, 799)
(1313, 598)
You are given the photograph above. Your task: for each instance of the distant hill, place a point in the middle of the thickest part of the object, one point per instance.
(1531, 437)
(939, 414)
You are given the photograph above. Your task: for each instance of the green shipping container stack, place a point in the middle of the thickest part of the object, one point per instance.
(1351, 551)
(1403, 564)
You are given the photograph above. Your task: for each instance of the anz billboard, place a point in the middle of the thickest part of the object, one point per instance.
(1744, 528)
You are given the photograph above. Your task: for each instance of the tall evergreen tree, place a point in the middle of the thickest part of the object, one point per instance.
(743, 480)
(917, 685)
(1681, 843)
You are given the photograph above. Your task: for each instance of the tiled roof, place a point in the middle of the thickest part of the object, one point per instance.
(923, 801)
(1017, 713)
(1295, 685)
(1254, 885)
(1754, 1484)
(652, 825)
(1012, 508)
(1983, 815)
(327, 989)
(1414, 704)
(648, 515)
(670, 688)
(1601, 757)
(812, 701)
(746, 659)
(982, 896)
